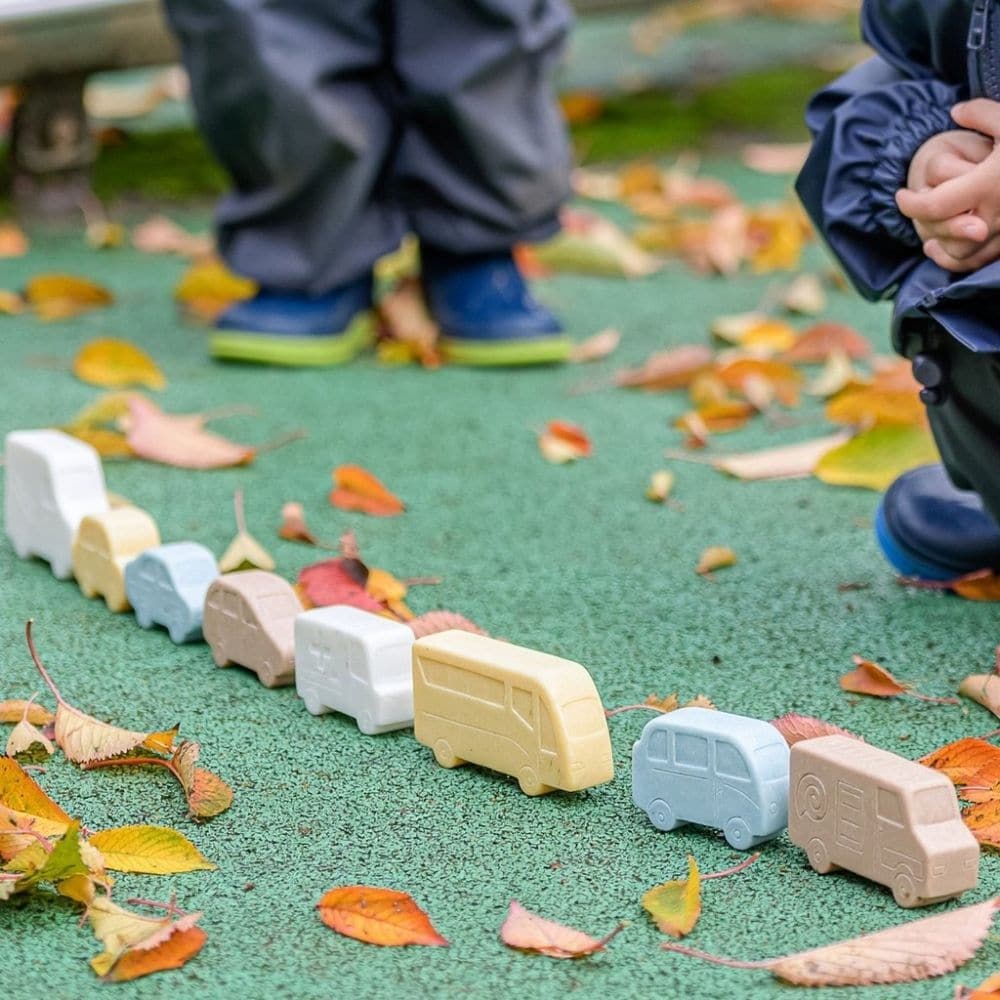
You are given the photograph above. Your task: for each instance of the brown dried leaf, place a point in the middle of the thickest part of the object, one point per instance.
(920, 949)
(526, 931)
(822, 340)
(795, 727)
(871, 679)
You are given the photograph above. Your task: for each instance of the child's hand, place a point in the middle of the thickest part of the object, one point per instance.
(959, 218)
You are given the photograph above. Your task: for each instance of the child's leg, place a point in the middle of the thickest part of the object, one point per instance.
(936, 522)
(293, 96)
(483, 162)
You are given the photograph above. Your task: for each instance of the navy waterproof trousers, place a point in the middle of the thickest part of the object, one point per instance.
(345, 123)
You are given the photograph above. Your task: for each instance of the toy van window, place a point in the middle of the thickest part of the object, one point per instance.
(729, 763)
(658, 746)
(584, 716)
(890, 808)
(188, 573)
(546, 736)
(230, 606)
(485, 689)
(520, 701)
(691, 751)
(935, 805)
(276, 606)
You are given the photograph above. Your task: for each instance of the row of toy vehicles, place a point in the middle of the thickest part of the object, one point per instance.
(525, 713)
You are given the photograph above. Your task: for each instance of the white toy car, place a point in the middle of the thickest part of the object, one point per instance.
(51, 482)
(352, 661)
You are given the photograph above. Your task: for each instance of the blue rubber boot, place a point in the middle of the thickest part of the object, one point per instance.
(297, 330)
(928, 528)
(486, 312)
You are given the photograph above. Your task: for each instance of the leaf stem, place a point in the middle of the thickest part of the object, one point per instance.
(732, 963)
(281, 440)
(932, 698)
(173, 910)
(121, 761)
(38, 663)
(742, 866)
(610, 937)
(609, 712)
(241, 521)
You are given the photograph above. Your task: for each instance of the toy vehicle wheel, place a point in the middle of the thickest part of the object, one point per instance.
(444, 756)
(267, 675)
(738, 835)
(530, 784)
(86, 589)
(366, 723)
(313, 705)
(661, 815)
(177, 634)
(143, 620)
(21, 550)
(904, 891)
(219, 655)
(819, 857)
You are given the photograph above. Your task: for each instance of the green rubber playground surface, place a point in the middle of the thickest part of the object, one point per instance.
(572, 560)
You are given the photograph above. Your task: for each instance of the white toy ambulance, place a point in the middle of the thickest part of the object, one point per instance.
(352, 661)
(51, 482)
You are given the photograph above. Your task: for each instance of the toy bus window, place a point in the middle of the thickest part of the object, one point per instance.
(889, 807)
(355, 660)
(546, 737)
(935, 805)
(658, 746)
(729, 763)
(584, 717)
(520, 701)
(485, 689)
(691, 751)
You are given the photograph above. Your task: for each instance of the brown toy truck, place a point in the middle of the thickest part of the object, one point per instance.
(880, 816)
(250, 620)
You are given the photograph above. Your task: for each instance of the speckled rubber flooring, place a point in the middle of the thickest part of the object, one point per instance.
(572, 560)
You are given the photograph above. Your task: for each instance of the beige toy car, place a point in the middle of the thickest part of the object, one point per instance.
(880, 816)
(105, 544)
(249, 619)
(528, 714)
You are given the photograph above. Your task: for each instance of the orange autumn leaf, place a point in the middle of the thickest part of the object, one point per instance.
(13, 242)
(293, 525)
(967, 762)
(357, 489)
(776, 236)
(115, 364)
(179, 948)
(60, 296)
(871, 679)
(981, 586)
(988, 989)
(823, 340)
(983, 820)
(795, 727)
(675, 906)
(675, 368)
(785, 380)
(717, 418)
(20, 792)
(208, 287)
(562, 442)
(526, 931)
(581, 106)
(377, 916)
(715, 557)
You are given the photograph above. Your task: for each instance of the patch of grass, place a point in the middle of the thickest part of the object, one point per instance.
(768, 104)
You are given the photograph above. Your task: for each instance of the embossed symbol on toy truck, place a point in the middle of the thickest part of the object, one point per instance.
(882, 817)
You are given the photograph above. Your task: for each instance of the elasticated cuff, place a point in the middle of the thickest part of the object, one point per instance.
(890, 170)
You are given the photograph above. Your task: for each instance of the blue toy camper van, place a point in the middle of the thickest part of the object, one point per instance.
(166, 586)
(696, 765)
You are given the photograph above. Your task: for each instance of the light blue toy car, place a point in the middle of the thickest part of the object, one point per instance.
(166, 586)
(696, 765)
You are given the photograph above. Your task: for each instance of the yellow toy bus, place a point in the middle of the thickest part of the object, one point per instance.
(524, 713)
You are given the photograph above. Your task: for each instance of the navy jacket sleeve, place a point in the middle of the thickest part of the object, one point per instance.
(866, 127)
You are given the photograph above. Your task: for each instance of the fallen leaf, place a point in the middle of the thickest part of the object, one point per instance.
(180, 440)
(707, 388)
(981, 586)
(920, 949)
(716, 418)
(892, 397)
(20, 792)
(24, 736)
(293, 525)
(591, 244)
(432, 622)
(159, 234)
(581, 106)
(209, 288)
(244, 551)
(13, 242)
(875, 458)
(526, 931)
(777, 236)
(967, 762)
(377, 916)
(661, 484)
(768, 337)
(700, 701)
(102, 234)
(804, 295)
(97, 424)
(11, 304)
(675, 906)
(983, 688)
(406, 321)
(871, 679)
(563, 442)
(793, 461)
(988, 989)
(795, 727)
(154, 850)
(597, 347)
(775, 157)
(356, 488)
(115, 364)
(822, 340)
(837, 374)
(715, 557)
(786, 380)
(61, 296)
(983, 817)
(336, 581)
(17, 708)
(175, 951)
(675, 368)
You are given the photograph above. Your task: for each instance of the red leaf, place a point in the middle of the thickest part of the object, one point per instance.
(795, 727)
(333, 582)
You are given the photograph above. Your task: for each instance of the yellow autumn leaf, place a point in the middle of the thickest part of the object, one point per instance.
(715, 557)
(874, 458)
(60, 296)
(675, 906)
(208, 287)
(153, 850)
(114, 364)
(777, 236)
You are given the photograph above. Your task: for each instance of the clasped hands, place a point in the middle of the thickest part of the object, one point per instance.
(952, 192)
